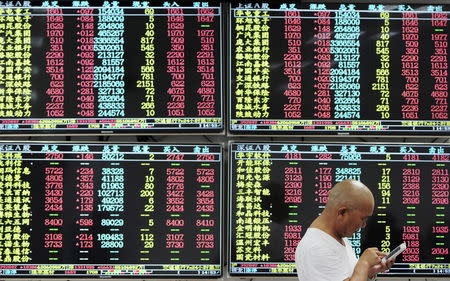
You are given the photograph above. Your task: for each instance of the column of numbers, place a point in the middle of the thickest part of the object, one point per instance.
(85, 63)
(410, 66)
(293, 65)
(322, 64)
(176, 63)
(206, 63)
(439, 72)
(55, 33)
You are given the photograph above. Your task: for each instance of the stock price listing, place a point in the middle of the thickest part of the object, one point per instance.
(110, 66)
(278, 189)
(110, 210)
(315, 68)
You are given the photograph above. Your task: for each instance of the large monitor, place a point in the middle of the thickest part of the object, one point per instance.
(111, 210)
(338, 68)
(277, 190)
(102, 67)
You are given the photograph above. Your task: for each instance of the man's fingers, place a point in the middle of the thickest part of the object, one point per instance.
(381, 254)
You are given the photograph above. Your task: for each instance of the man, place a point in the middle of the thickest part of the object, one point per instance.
(324, 253)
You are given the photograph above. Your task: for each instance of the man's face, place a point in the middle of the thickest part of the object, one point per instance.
(355, 219)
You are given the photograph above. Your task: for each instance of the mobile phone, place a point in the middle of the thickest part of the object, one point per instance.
(394, 253)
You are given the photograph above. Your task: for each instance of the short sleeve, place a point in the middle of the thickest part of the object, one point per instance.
(321, 264)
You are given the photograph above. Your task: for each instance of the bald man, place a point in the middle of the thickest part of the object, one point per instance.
(324, 253)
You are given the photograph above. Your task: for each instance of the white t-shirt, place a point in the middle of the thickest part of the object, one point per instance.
(320, 257)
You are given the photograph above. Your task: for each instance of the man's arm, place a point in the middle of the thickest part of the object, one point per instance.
(360, 272)
(369, 261)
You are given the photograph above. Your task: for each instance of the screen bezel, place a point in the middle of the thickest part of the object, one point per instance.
(220, 130)
(230, 204)
(334, 133)
(221, 213)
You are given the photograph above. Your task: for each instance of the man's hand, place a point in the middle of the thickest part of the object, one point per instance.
(372, 257)
(381, 267)
(368, 265)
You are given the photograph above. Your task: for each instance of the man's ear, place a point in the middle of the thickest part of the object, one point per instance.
(342, 211)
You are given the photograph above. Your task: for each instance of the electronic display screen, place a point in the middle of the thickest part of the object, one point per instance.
(110, 67)
(278, 189)
(110, 210)
(339, 68)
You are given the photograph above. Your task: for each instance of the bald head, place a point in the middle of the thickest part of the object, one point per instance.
(352, 194)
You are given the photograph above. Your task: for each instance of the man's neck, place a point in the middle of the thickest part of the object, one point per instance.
(322, 224)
